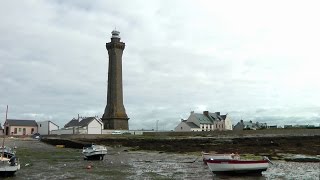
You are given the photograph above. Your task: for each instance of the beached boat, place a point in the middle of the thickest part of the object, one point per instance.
(94, 152)
(223, 166)
(206, 156)
(9, 164)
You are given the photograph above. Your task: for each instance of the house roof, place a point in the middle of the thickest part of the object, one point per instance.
(18, 122)
(74, 122)
(192, 125)
(224, 117)
(203, 119)
(86, 121)
(248, 124)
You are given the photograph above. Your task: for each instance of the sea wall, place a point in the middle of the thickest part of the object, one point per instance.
(298, 141)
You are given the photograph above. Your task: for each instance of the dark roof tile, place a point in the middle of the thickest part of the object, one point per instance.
(18, 122)
(74, 122)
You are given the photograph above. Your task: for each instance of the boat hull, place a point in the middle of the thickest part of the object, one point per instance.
(94, 152)
(94, 157)
(237, 166)
(7, 170)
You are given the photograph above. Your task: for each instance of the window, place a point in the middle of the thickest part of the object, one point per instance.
(19, 129)
(15, 130)
(40, 125)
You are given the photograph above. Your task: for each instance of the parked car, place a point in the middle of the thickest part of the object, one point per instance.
(36, 136)
(116, 132)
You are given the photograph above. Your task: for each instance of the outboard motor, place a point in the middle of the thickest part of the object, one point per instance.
(266, 158)
(13, 161)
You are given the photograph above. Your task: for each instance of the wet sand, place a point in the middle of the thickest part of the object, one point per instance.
(42, 161)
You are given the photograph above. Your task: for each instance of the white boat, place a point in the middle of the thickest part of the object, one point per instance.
(9, 164)
(218, 166)
(94, 152)
(206, 156)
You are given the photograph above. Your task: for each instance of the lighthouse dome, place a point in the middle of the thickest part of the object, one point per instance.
(115, 34)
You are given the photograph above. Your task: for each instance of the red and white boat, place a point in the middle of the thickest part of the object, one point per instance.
(207, 156)
(218, 166)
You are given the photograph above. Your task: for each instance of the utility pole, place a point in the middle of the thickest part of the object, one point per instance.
(157, 125)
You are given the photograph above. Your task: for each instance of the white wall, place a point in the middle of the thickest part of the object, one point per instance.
(43, 127)
(133, 132)
(21, 129)
(182, 127)
(62, 131)
(52, 127)
(69, 131)
(228, 123)
(94, 127)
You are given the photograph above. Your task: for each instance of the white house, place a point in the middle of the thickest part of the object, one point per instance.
(93, 125)
(46, 127)
(20, 127)
(205, 122)
(87, 125)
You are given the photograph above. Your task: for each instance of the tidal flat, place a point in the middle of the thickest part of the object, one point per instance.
(42, 161)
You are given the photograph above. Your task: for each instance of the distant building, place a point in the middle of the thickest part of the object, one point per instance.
(205, 122)
(249, 125)
(1, 130)
(287, 126)
(20, 127)
(45, 127)
(87, 125)
(93, 125)
(273, 127)
(72, 123)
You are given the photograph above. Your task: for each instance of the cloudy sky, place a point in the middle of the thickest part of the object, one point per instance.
(253, 60)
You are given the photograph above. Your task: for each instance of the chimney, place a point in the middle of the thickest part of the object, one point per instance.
(218, 113)
(206, 113)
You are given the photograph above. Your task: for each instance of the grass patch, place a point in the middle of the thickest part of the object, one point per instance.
(250, 157)
(27, 155)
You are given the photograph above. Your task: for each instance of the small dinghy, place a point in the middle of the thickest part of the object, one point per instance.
(206, 156)
(94, 152)
(232, 164)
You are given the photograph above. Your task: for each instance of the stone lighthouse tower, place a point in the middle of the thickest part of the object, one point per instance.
(115, 116)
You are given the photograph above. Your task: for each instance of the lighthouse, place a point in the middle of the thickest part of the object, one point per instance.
(115, 116)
